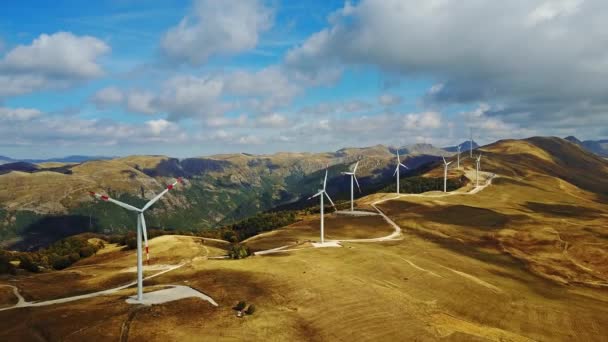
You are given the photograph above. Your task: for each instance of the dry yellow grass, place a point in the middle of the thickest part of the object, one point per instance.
(143, 162)
(336, 228)
(53, 164)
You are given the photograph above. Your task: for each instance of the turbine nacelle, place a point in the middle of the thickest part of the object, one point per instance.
(140, 212)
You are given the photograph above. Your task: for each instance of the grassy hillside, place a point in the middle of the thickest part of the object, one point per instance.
(547, 209)
(43, 203)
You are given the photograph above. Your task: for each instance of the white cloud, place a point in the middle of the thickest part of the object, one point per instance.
(534, 56)
(423, 120)
(249, 140)
(156, 127)
(217, 27)
(552, 9)
(270, 82)
(141, 102)
(30, 128)
(435, 89)
(222, 121)
(58, 60)
(272, 120)
(389, 100)
(205, 97)
(336, 107)
(190, 96)
(62, 55)
(18, 114)
(109, 96)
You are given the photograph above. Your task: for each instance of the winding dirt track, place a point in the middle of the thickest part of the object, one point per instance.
(23, 304)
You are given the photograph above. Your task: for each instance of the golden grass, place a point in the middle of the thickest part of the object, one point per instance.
(143, 162)
(337, 227)
(400, 290)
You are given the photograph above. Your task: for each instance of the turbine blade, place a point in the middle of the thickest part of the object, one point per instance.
(398, 159)
(404, 166)
(397, 168)
(355, 169)
(145, 231)
(169, 187)
(448, 163)
(110, 199)
(356, 181)
(325, 180)
(330, 201)
(315, 195)
(443, 159)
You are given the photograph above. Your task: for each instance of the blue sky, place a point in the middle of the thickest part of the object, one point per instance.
(188, 78)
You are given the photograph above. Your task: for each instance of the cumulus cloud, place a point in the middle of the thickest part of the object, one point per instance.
(423, 120)
(222, 121)
(58, 60)
(540, 57)
(29, 127)
(207, 96)
(269, 82)
(389, 100)
(18, 114)
(156, 127)
(109, 96)
(272, 120)
(336, 107)
(217, 27)
(550, 10)
(141, 102)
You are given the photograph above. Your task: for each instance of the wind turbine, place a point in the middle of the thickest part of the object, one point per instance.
(397, 170)
(321, 193)
(353, 178)
(459, 147)
(141, 229)
(478, 162)
(445, 174)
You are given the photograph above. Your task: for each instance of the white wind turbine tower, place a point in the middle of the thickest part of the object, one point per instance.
(353, 178)
(397, 170)
(478, 162)
(141, 229)
(321, 193)
(445, 174)
(458, 165)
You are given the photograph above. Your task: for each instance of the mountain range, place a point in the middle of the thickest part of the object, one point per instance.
(46, 201)
(40, 203)
(599, 147)
(68, 159)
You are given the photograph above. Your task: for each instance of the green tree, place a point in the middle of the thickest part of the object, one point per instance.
(240, 306)
(27, 263)
(6, 267)
(237, 251)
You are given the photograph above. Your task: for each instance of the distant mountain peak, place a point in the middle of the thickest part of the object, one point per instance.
(573, 139)
(464, 146)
